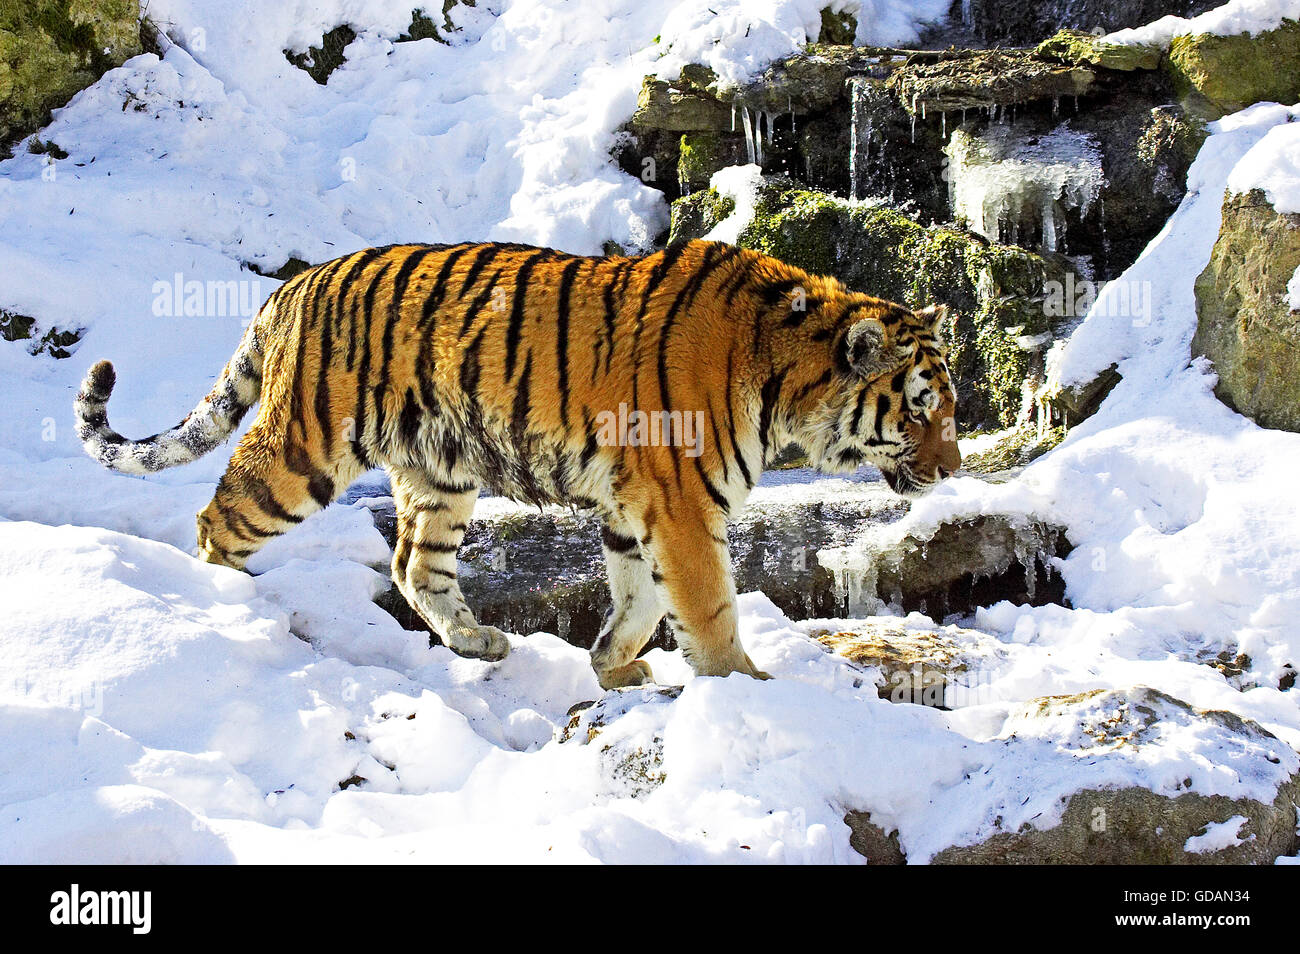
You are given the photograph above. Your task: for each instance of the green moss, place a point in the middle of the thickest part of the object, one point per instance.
(1216, 75)
(54, 342)
(1077, 48)
(423, 26)
(838, 28)
(693, 216)
(50, 49)
(320, 61)
(880, 251)
(1016, 449)
(702, 153)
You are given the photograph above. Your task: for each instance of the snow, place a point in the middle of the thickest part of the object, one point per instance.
(1293, 291)
(1218, 835)
(1234, 17)
(740, 184)
(1273, 167)
(154, 708)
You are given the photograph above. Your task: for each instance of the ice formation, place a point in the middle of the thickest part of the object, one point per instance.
(1011, 187)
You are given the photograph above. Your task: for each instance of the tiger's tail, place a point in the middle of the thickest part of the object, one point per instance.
(202, 430)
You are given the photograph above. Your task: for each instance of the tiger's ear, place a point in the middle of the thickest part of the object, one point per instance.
(935, 318)
(867, 350)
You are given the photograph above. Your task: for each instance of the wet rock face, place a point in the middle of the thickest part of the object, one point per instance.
(529, 571)
(51, 50)
(1025, 22)
(950, 568)
(1244, 323)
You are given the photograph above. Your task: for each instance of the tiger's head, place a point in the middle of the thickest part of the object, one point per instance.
(891, 402)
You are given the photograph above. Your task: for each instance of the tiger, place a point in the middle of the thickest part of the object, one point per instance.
(489, 365)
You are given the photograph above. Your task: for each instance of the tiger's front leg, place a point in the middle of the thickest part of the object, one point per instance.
(635, 611)
(691, 566)
(431, 521)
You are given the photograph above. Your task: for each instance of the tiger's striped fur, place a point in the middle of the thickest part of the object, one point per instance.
(488, 365)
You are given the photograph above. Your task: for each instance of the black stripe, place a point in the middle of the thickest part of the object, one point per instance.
(562, 338)
(718, 497)
(479, 301)
(471, 369)
(517, 308)
(363, 373)
(589, 449)
(519, 409)
(857, 411)
(321, 488)
(882, 411)
(714, 257)
(400, 282)
(617, 542)
(771, 392)
(445, 488)
(359, 261)
(429, 547)
(731, 427)
(439, 290)
(409, 422)
(260, 493)
(717, 442)
(481, 260)
(658, 273)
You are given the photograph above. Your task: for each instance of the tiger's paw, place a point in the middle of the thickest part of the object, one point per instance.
(635, 673)
(725, 666)
(479, 642)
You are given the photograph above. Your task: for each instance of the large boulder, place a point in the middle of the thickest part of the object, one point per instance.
(965, 80)
(1217, 75)
(52, 48)
(1245, 323)
(914, 662)
(949, 567)
(1141, 825)
(530, 570)
(1078, 48)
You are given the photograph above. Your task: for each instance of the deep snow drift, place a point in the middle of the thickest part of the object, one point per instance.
(155, 708)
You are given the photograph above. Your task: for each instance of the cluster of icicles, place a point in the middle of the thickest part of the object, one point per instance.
(759, 126)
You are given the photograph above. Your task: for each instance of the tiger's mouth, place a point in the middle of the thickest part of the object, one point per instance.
(904, 482)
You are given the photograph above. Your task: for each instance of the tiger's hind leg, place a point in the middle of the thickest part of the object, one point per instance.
(271, 485)
(635, 612)
(431, 521)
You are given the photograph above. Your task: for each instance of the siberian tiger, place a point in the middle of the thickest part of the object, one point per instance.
(457, 367)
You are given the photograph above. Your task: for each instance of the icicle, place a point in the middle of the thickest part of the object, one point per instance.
(749, 136)
(944, 119)
(854, 91)
(733, 115)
